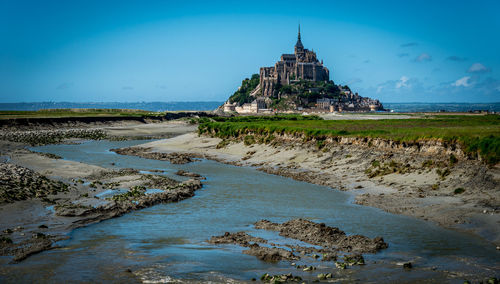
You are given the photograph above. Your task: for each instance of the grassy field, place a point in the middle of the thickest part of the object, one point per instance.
(475, 133)
(50, 113)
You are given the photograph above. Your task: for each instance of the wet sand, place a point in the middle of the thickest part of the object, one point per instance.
(36, 223)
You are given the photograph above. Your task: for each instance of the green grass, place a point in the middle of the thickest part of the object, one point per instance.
(52, 113)
(476, 134)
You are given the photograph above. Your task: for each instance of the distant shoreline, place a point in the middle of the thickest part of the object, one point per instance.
(148, 106)
(212, 105)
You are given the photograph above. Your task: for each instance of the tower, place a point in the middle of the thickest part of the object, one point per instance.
(299, 48)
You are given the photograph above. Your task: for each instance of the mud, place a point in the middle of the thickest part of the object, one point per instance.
(239, 238)
(325, 236)
(174, 158)
(120, 206)
(82, 215)
(272, 254)
(20, 183)
(331, 240)
(188, 174)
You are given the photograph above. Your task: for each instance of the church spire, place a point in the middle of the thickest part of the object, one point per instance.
(299, 33)
(298, 46)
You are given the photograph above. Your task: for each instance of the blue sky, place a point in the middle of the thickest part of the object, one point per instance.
(396, 51)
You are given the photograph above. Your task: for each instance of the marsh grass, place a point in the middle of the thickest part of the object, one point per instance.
(475, 134)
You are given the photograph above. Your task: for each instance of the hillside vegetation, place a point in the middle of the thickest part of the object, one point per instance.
(242, 95)
(298, 93)
(476, 134)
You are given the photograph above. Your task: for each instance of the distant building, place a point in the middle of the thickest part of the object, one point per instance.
(229, 107)
(324, 103)
(303, 64)
(258, 105)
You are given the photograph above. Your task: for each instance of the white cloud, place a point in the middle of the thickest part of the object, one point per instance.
(423, 57)
(462, 82)
(478, 68)
(402, 82)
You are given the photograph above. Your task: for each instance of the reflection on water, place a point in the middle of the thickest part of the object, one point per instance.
(167, 241)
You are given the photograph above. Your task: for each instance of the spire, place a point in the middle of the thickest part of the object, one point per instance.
(299, 33)
(298, 46)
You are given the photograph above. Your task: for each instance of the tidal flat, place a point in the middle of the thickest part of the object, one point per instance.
(238, 184)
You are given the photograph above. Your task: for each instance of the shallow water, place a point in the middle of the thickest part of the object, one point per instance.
(167, 241)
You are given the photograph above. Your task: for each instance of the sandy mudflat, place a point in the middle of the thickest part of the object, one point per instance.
(22, 220)
(420, 192)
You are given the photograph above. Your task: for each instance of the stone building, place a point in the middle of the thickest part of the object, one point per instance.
(256, 106)
(303, 64)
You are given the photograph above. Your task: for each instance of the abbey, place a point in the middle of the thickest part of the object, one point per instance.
(297, 82)
(303, 64)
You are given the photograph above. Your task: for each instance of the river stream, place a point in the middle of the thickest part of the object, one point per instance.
(168, 242)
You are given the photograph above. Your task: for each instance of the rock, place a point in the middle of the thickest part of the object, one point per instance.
(38, 236)
(266, 278)
(340, 265)
(407, 265)
(309, 268)
(355, 259)
(329, 257)
(493, 280)
(5, 240)
(43, 226)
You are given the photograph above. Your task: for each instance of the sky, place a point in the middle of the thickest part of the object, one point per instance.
(130, 51)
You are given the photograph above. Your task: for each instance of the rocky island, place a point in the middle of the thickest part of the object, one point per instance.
(297, 82)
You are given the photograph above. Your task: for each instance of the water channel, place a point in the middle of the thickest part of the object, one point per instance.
(168, 242)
